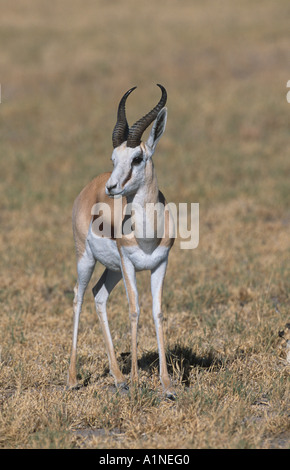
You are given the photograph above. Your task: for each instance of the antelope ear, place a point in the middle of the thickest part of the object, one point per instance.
(157, 130)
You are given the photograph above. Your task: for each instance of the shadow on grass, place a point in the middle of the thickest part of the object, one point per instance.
(180, 359)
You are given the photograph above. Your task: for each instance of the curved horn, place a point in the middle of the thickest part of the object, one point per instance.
(136, 131)
(121, 129)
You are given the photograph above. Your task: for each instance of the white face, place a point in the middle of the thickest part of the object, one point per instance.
(129, 170)
(129, 163)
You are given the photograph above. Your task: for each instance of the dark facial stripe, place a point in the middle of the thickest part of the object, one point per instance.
(128, 177)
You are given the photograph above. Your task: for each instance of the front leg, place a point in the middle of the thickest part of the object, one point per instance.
(129, 276)
(157, 279)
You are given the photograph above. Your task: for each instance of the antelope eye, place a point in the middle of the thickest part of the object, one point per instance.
(137, 160)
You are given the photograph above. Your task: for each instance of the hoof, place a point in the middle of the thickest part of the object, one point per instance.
(76, 386)
(122, 386)
(170, 395)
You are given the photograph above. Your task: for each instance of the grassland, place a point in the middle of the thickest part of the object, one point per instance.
(63, 68)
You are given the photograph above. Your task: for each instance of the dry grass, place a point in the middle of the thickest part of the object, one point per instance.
(225, 66)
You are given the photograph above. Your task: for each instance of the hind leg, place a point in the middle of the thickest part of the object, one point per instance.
(157, 279)
(101, 292)
(85, 268)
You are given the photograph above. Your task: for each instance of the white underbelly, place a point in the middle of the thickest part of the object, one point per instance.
(142, 260)
(106, 252)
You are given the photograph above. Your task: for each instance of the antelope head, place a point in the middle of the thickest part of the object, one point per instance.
(130, 155)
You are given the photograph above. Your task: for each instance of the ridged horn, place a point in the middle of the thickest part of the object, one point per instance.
(136, 131)
(121, 129)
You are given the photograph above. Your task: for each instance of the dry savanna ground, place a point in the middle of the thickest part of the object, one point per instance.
(63, 67)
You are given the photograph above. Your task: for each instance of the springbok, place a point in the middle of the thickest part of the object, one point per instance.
(134, 181)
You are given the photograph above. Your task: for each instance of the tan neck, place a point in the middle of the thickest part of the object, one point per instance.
(143, 219)
(149, 191)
